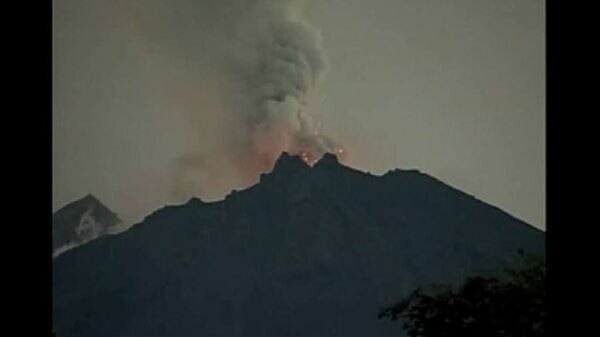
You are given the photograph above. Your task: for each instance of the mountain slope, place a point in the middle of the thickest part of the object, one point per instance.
(307, 251)
(79, 222)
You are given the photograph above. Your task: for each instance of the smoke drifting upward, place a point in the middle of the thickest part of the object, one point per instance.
(279, 61)
(283, 76)
(290, 65)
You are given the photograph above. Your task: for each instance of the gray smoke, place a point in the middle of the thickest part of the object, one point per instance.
(276, 63)
(283, 75)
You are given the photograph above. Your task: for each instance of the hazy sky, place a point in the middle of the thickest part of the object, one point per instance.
(454, 88)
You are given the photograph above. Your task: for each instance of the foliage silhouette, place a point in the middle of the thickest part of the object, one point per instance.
(512, 304)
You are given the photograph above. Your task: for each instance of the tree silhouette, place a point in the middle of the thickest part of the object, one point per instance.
(512, 304)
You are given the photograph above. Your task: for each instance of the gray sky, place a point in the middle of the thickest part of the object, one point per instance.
(454, 88)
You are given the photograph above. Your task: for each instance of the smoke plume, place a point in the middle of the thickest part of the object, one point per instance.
(278, 59)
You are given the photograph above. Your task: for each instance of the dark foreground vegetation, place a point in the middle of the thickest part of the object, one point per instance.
(511, 304)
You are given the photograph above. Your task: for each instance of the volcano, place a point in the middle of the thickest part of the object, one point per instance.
(309, 250)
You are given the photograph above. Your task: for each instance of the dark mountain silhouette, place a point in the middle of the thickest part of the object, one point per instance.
(307, 251)
(81, 221)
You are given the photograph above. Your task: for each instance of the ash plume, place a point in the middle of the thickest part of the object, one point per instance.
(277, 63)
(283, 78)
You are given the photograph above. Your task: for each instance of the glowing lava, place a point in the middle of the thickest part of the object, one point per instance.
(311, 158)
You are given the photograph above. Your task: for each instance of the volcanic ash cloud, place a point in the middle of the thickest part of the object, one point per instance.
(277, 61)
(287, 64)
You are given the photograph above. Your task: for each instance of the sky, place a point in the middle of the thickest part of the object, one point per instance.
(151, 99)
